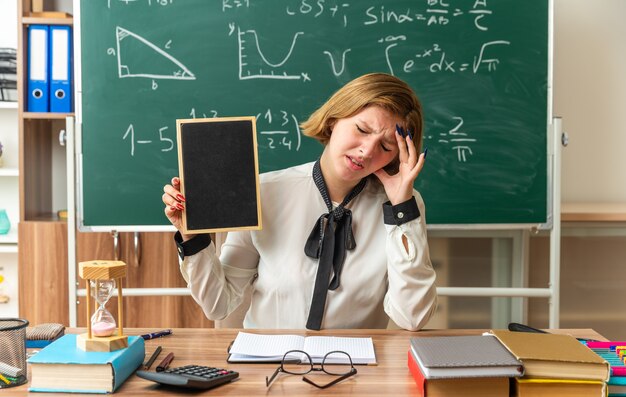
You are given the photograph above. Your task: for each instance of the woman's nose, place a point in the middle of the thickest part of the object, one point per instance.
(367, 148)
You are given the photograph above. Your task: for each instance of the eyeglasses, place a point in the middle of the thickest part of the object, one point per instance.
(337, 363)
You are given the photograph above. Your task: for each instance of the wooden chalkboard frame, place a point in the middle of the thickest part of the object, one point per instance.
(216, 174)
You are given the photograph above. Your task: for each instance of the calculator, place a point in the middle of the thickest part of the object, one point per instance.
(191, 376)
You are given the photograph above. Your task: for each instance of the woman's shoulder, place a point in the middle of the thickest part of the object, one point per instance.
(302, 172)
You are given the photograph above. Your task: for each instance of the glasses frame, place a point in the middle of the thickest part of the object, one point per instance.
(312, 367)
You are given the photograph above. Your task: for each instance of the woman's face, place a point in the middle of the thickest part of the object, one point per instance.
(360, 145)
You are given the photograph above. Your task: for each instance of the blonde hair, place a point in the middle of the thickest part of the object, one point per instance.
(374, 89)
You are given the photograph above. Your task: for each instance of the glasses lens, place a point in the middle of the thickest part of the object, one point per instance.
(337, 363)
(296, 363)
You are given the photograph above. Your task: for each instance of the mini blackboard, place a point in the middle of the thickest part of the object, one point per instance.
(219, 174)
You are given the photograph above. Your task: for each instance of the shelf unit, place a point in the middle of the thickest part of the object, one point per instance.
(42, 188)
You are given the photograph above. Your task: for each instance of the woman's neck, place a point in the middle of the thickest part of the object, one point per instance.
(337, 188)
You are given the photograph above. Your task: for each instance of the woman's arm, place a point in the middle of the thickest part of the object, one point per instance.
(218, 284)
(411, 294)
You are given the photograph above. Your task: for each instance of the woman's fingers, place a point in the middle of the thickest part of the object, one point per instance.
(401, 140)
(412, 152)
(172, 202)
(172, 198)
(174, 193)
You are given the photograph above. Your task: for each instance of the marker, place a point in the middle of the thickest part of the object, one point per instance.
(165, 363)
(5, 380)
(425, 153)
(153, 357)
(157, 334)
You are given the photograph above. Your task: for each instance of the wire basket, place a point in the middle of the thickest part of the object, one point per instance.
(12, 352)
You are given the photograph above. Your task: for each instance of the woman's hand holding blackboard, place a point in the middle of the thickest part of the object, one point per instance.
(174, 205)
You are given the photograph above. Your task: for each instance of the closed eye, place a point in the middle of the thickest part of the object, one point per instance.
(382, 145)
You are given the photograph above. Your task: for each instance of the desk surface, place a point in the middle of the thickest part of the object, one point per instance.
(208, 347)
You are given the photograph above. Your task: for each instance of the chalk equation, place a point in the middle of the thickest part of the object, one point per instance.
(438, 60)
(456, 139)
(279, 130)
(438, 12)
(276, 130)
(137, 56)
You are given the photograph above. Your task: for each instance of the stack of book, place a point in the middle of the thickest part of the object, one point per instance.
(555, 365)
(614, 353)
(462, 366)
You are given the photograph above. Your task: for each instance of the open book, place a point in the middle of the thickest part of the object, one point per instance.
(271, 348)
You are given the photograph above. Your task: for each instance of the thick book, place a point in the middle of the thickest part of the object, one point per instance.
(554, 356)
(464, 356)
(258, 348)
(466, 387)
(537, 387)
(63, 367)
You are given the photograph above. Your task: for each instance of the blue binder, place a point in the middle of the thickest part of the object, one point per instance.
(38, 85)
(60, 69)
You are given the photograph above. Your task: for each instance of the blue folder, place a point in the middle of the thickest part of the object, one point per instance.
(60, 69)
(38, 84)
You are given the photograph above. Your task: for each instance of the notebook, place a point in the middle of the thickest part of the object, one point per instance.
(464, 356)
(248, 347)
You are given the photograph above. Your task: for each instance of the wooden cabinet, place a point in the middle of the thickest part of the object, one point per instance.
(43, 236)
(43, 292)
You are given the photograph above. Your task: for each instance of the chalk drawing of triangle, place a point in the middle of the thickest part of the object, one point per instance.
(137, 57)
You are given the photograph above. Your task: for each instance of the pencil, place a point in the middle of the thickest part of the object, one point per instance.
(165, 363)
(152, 357)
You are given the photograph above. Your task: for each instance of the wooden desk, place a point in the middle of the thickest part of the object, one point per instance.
(208, 347)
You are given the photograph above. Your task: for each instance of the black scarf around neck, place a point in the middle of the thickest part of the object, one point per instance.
(330, 238)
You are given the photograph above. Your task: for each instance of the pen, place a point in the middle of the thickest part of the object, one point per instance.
(153, 357)
(165, 363)
(157, 334)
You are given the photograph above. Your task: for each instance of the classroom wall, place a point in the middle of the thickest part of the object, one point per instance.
(590, 96)
(8, 23)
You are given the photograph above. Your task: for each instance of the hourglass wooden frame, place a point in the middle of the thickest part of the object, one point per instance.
(102, 270)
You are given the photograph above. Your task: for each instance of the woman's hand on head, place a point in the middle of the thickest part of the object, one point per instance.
(399, 187)
(174, 204)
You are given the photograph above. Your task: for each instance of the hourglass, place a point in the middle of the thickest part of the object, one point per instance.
(101, 278)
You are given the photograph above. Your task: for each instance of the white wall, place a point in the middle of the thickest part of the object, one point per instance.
(8, 23)
(590, 96)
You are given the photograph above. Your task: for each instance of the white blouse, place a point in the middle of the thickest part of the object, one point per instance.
(378, 276)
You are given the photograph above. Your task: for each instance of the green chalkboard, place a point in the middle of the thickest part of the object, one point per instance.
(480, 69)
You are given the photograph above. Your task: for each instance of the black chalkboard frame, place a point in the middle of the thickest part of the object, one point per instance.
(219, 174)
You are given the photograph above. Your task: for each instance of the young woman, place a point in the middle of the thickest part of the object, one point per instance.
(343, 243)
